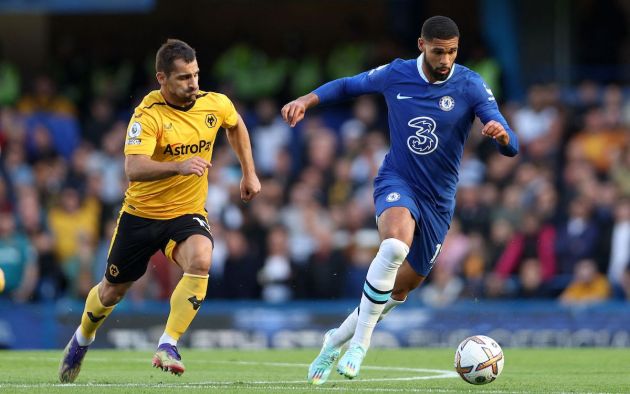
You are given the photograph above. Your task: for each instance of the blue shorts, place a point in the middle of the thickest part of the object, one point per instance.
(431, 225)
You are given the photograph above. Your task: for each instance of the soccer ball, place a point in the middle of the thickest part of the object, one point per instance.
(2, 282)
(479, 359)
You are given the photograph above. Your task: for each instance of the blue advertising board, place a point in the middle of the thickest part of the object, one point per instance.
(251, 325)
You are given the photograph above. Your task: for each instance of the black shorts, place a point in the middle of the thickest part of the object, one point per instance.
(136, 239)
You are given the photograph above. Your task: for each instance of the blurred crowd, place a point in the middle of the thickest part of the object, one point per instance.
(552, 223)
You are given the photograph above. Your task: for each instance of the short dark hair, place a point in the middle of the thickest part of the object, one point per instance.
(440, 27)
(170, 51)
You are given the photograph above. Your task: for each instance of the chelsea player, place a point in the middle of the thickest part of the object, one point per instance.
(432, 102)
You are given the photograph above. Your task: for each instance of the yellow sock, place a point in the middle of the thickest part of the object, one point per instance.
(94, 314)
(185, 302)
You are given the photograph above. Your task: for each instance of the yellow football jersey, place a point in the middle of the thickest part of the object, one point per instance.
(168, 133)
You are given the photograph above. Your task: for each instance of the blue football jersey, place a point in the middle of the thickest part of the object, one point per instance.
(428, 122)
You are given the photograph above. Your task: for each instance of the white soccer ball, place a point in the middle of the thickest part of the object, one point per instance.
(479, 359)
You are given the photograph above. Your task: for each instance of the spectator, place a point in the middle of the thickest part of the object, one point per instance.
(587, 286)
(240, 268)
(576, 238)
(269, 136)
(324, 273)
(342, 187)
(364, 243)
(73, 221)
(536, 120)
(295, 217)
(32, 221)
(277, 271)
(109, 163)
(19, 173)
(370, 156)
(474, 267)
(364, 118)
(40, 145)
(620, 169)
(100, 121)
(17, 260)
(44, 99)
(530, 281)
(487, 66)
(612, 106)
(597, 142)
(620, 245)
(443, 289)
(536, 240)
(473, 215)
(54, 112)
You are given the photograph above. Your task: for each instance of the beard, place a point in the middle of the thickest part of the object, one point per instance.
(187, 96)
(190, 94)
(435, 74)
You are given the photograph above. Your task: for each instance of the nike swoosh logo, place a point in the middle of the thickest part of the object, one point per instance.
(95, 319)
(401, 97)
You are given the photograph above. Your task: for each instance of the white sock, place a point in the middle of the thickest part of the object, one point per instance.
(347, 328)
(165, 338)
(83, 341)
(378, 286)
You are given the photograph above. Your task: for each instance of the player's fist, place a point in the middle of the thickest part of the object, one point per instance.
(250, 186)
(495, 130)
(193, 166)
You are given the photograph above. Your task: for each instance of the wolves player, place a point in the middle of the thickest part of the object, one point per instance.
(168, 151)
(432, 103)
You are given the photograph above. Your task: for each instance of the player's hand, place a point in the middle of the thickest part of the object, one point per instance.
(495, 130)
(294, 111)
(250, 187)
(193, 166)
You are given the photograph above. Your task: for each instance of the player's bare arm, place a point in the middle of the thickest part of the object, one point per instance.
(293, 112)
(140, 168)
(238, 137)
(494, 129)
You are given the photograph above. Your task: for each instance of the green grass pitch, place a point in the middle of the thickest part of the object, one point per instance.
(586, 370)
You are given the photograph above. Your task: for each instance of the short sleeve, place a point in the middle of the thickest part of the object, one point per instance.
(230, 116)
(142, 133)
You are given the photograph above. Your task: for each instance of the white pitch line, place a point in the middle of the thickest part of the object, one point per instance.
(440, 374)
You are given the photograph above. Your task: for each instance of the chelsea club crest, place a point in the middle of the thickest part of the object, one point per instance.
(447, 103)
(391, 197)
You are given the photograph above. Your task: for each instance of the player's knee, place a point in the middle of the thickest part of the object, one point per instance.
(199, 264)
(393, 251)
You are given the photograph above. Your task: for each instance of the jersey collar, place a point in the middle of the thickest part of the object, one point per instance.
(177, 107)
(421, 72)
